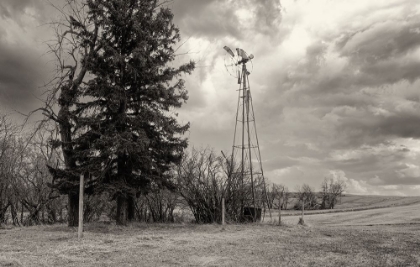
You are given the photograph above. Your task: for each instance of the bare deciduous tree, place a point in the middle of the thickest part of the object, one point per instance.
(204, 178)
(331, 192)
(307, 196)
(201, 182)
(24, 177)
(279, 196)
(8, 133)
(161, 205)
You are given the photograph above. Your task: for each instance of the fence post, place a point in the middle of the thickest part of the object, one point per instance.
(279, 212)
(223, 211)
(80, 230)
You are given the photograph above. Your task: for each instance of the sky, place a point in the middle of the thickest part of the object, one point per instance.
(335, 83)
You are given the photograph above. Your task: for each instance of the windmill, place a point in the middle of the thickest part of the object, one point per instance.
(245, 148)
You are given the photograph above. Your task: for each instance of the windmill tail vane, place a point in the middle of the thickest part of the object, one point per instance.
(230, 52)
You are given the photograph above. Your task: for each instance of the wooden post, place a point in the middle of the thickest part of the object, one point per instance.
(223, 211)
(303, 210)
(279, 211)
(80, 231)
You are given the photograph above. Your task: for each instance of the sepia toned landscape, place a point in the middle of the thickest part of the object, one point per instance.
(210, 133)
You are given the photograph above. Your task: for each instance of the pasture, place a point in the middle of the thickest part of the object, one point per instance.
(376, 237)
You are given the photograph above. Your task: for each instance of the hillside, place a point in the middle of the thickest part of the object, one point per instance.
(360, 202)
(399, 215)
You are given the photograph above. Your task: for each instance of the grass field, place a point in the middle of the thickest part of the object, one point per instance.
(377, 237)
(360, 202)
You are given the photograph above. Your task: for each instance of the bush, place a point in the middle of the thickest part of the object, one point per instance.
(203, 179)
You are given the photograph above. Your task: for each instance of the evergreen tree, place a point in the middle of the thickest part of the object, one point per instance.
(125, 133)
(129, 137)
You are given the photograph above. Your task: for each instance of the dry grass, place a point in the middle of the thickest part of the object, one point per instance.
(339, 239)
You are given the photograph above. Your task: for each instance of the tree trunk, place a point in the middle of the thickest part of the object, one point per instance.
(3, 214)
(52, 214)
(66, 98)
(131, 210)
(60, 213)
(33, 217)
(73, 210)
(303, 208)
(279, 214)
(14, 213)
(171, 215)
(21, 213)
(280, 204)
(43, 214)
(122, 208)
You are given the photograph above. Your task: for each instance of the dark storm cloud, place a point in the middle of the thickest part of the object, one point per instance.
(344, 99)
(379, 55)
(375, 56)
(14, 8)
(268, 15)
(382, 41)
(366, 160)
(205, 18)
(374, 129)
(386, 164)
(279, 162)
(24, 63)
(282, 155)
(393, 176)
(20, 75)
(219, 18)
(400, 125)
(388, 72)
(404, 181)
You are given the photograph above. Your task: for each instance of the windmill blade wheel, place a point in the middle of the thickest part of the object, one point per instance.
(231, 65)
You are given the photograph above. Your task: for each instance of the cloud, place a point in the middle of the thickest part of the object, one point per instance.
(226, 18)
(22, 52)
(14, 9)
(341, 83)
(20, 75)
(358, 187)
(216, 19)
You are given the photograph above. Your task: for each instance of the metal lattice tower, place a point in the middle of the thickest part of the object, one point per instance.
(245, 148)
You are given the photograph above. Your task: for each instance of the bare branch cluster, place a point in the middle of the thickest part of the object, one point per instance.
(24, 177)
